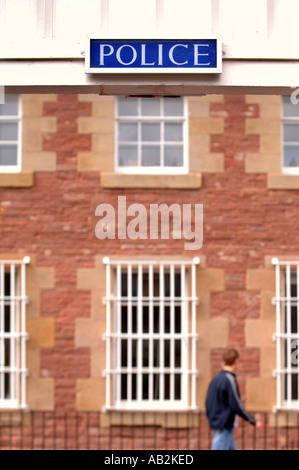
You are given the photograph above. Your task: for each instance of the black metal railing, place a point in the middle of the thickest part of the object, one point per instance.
(137, 431)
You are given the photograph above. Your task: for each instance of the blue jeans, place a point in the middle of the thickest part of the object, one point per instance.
(224, 440)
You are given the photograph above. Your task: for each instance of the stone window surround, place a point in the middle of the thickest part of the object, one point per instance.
(34, 124)
(162, 120)
(269, 128)
(41, 330)
(101, 158)
(90, 392)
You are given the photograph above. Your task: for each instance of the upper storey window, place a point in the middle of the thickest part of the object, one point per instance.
(151, 135)
(290, 119)
(10, 131)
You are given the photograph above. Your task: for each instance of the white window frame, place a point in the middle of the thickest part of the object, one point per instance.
(188, 335)
(16, 335)
(17, 118)
(158, 170)
(283, 336)
(295, 120)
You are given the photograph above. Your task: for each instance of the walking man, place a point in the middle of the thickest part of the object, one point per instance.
(223, 404)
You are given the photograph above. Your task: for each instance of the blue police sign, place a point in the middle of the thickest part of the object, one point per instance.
(116, 55)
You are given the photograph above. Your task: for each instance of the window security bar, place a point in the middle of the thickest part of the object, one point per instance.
(153, 370)
(13, 333)
(151, 334)
(287, 333)
(168, 262)
(286, 371)
(17, 297)
(284, 299)
(12, 369)
(154, 299)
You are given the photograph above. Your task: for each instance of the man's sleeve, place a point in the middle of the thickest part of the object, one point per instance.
(235, 402)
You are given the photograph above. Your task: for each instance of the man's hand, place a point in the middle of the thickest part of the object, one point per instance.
(258, 421)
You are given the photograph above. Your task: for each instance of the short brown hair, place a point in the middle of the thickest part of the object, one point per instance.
(230, 356)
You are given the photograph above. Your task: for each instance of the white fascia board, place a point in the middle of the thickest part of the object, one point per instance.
(68, 76)
(42, 49)
(51, 48)
(261, 50)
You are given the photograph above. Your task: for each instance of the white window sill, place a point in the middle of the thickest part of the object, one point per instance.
(150, 409)
(11, 406)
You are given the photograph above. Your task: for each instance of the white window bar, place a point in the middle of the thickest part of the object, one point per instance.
(117, 329)
(148, 363)
(108, 334)
(278, 333)
(130, 331)
(13, 364)
(161, 330)
(13, 334)
(139, 332)
(24, 336)
(287, 329)
(172, 332)
(193, 293)
(287, 333)
(151, 330)
(184, 315)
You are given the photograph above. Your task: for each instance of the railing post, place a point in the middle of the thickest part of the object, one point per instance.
(265, 431)
(287, 431)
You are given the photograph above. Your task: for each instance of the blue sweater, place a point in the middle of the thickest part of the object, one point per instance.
(223, 402)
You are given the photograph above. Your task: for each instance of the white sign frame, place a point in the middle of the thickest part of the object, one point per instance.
(154, 70)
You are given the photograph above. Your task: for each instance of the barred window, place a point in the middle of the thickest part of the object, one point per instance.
(151, 135)
(10, 134)
(287, 333)
(13, 333)
(151, 335)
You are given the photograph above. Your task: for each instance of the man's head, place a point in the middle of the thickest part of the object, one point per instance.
(230, 357)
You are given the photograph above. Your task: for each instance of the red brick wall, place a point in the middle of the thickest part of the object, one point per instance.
(84, 431)
(243, 222)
